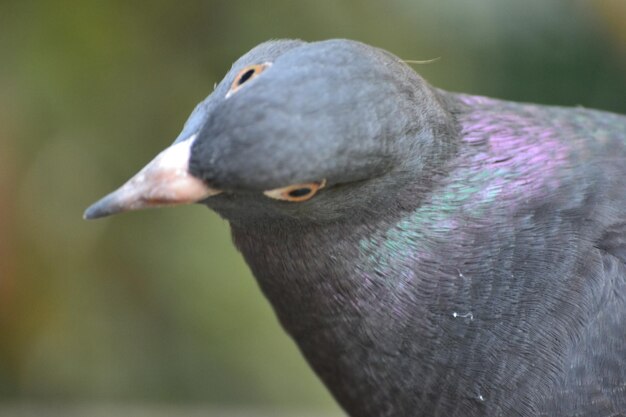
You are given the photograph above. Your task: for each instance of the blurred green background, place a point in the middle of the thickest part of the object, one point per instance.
(156, 309)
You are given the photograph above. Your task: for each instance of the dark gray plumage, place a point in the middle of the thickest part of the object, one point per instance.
(466, 256)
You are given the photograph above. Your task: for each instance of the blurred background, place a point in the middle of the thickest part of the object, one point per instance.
(154, 313)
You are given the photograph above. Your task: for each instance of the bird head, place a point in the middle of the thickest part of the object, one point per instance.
(301, 130)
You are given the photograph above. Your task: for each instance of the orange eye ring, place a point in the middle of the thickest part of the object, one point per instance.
(247, 74)
(296, 193)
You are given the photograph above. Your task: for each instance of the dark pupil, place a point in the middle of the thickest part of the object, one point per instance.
(245, 76)
(299, 192)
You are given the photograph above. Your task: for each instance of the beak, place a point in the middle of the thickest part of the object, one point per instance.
(165, 181)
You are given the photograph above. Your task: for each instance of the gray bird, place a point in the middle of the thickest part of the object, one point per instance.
(431, 253)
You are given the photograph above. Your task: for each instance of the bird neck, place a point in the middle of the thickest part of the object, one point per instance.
(361, 315)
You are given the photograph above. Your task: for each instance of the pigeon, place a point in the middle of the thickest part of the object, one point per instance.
(431, 253)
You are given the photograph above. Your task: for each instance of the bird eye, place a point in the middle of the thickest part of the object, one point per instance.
(245, 75)
(296, 192)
